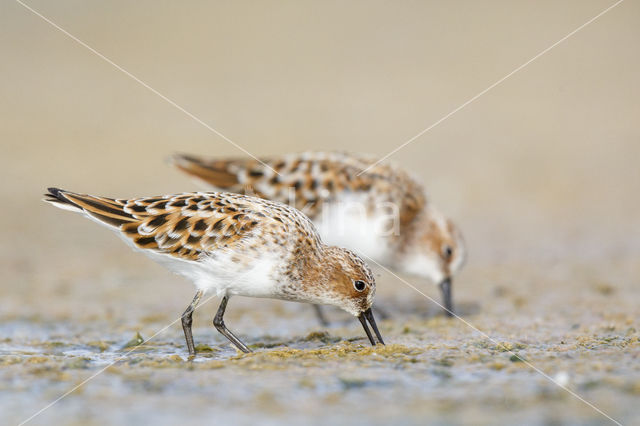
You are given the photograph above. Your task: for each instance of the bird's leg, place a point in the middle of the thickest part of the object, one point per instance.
(218, 322)
(320, 315)
(187, 321)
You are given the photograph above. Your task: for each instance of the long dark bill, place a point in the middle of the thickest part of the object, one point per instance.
(368, 316)
(445, 288)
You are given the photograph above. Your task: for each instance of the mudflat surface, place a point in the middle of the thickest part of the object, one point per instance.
(432, 369)
(540, 174)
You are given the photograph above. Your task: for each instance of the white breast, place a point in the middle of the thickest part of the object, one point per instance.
(351, 222)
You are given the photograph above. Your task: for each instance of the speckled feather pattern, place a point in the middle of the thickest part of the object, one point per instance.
(316, 178)
(189, 225)
(216, 236)
(318, 182)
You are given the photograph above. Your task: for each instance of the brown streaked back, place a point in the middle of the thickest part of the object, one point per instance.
(308, 180)
(184, 225)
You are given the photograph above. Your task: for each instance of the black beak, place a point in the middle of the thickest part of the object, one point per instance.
(445, 287)
(368, 316)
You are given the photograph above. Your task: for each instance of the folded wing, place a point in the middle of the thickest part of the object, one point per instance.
(184, 226)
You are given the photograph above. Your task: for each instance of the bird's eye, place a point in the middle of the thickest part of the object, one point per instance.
(359, 285)
(447, 252)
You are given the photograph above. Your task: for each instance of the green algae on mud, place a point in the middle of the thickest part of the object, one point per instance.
(286, 357)
(320, 336)
(136, 341)
(146, 361)
(344, 351)
(273, 359)
(201, 347)
(99, 345)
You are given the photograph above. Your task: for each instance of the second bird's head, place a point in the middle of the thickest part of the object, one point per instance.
(435, 250)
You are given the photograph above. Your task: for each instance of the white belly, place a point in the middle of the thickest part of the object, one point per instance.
(221, 275)
(251, 277)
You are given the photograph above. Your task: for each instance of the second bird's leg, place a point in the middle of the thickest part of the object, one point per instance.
(187, 320)
(218, 322)
(320, 315)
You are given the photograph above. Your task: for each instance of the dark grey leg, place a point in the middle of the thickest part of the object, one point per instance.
(187, 321)
(218, 322)
(320, 315)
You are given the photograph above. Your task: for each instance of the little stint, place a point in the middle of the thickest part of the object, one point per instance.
(233, 244)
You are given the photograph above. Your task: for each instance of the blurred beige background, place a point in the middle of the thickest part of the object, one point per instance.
(545, 163)
(551, 152)
(541, 173)
(543, 168)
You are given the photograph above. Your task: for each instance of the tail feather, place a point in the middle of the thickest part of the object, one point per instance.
(104, 210)
(212, 172)
(55, 197)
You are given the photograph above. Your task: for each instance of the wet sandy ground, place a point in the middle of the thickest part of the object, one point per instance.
(540, 173)
(579, 327)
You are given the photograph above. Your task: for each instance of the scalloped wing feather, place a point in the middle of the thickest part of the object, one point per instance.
(309, 180)
(184, 226)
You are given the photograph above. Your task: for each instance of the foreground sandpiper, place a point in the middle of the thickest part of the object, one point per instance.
(382, 213)
(233, 244)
